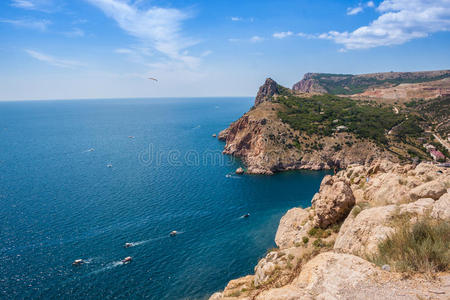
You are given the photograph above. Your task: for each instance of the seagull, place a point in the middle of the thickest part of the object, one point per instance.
(154, 79)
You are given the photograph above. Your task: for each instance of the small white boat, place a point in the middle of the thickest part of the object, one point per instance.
(246, 215)
(173, 233)
(109, 165)
(78, 262)
(127, 259)
(90, 150)
(131, 137)
(128, 245)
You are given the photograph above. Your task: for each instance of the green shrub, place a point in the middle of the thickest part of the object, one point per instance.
(356, 210)
(318, 243)
(313, 231)
(305, 240)
(422, 247)
(335, 228)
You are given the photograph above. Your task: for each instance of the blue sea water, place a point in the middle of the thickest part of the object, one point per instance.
(60, 201)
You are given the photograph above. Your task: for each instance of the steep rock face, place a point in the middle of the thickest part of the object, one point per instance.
(309, 85)
(267, 91)
(261, 140)
(333, 202)
(294, 225)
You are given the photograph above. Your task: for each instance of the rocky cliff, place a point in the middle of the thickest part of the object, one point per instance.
(331, 250)
(288, 130)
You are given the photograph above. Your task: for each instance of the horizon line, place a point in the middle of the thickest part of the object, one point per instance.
(118, 98)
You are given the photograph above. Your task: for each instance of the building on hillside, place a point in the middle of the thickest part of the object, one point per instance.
(429, 147)
(437, 155)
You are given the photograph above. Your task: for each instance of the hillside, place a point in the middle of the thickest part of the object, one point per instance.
(347, 84)
(288, 130)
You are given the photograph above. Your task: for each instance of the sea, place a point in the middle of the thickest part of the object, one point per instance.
(80, 178)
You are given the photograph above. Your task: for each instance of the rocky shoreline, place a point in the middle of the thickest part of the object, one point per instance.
(324, 251)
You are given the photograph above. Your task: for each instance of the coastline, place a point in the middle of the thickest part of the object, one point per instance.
(352, 211)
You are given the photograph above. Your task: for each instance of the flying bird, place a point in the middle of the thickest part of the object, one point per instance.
(154, 79)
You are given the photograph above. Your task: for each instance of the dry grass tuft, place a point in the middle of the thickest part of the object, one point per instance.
(421, 247)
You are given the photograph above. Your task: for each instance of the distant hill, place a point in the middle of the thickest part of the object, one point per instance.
(348, 84)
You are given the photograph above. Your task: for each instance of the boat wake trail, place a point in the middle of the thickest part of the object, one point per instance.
(229, 175)
(109, 266)
(133, 244)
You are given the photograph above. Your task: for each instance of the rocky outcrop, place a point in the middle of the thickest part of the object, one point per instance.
(267, 91)
(343, 276)
(331, 263)
(361, 235)
(441, 207)
(433, 189)
(309, 85)
(333, 202)
(294, 225)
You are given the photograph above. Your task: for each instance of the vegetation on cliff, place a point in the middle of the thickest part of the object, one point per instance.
(324, 114)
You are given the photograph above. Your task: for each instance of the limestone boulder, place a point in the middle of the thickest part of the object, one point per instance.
(294, 225)
(441, 208)
(277, 266)
(333, 202)
(432, 189)
(361, 234)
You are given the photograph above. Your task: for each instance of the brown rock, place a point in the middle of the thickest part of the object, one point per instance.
(267, 91)
(433, 189)
(441, 208)
(240, 171)
(333, 202)
(293, 227)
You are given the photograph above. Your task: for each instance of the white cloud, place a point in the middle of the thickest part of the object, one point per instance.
(159, 28)
(360, 8)
(23, 4)
(124, 51)
(41, 5)
(76, 32)
(40, 25)
(63, 63)
(206, 53)
(354, 11)
(307, 35)
(400, 21)
(241, 19)
(282, 35)
(256, 39)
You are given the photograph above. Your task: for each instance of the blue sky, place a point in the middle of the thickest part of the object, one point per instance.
(61, 49)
